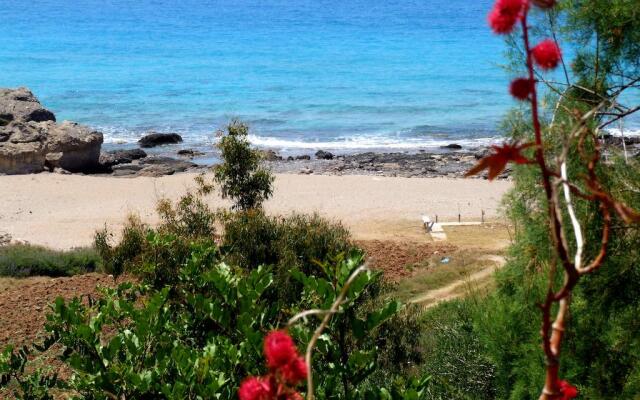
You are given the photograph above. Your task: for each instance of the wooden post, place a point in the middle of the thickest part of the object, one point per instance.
(482, 219)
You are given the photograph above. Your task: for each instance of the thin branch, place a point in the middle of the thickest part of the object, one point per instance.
(325, 321)
(577, 229)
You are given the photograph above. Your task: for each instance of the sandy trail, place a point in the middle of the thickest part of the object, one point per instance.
(63, 211)
(451, 291)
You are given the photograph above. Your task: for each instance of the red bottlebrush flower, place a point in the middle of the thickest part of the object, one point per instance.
(295, 371)
(505, 14)
(279, 349)
(568, 390)
(498, 160)
(547, 54)
(254, 388)
(521, 88)
(544, 3)
(294, 396)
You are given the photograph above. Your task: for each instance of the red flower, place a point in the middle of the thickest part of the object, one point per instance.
(521, 88)
(254, 388)
(497, 162)
(568, 390)
(295, 371)
(547, 54)
(544, 3)
(294, 396)
(505, 14)
(279, 349)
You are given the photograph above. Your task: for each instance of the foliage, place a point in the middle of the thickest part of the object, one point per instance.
(240, 176)
(199, 336)
(27, 260)
(118, 258)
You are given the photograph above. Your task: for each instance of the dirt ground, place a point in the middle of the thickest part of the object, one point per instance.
(415, 265)
(24, 303)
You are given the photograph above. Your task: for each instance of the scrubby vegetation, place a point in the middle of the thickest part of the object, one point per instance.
(26, 260)
(213, 283)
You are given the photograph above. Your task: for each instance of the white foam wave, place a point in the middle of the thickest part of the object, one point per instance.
(367, 143)
(627, 132)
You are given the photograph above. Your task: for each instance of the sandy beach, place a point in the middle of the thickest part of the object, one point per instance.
(64, 211)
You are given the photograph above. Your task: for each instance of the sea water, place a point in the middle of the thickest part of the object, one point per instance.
(305, 74)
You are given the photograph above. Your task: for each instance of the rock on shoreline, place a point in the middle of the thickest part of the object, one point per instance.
(31, 140)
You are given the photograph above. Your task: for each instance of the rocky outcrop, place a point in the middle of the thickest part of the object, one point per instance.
(157, 139)
(31, 141)
(22, 148)
(21, 105)
(324, 155)
(76, 147)
(116, 157)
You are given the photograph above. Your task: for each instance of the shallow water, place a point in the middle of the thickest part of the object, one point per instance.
(306, 74)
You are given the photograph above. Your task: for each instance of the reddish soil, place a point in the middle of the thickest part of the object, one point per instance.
(396, 258)
(24, 303)
(23, 306)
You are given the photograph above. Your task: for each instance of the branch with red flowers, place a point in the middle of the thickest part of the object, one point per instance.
(546, 55)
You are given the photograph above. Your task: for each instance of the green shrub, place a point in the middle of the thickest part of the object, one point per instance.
(119, 257)
(28, 260)
(240, 176)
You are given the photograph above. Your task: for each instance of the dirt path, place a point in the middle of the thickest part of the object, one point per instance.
(451, 291)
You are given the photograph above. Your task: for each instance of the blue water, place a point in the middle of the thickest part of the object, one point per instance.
(304, 73)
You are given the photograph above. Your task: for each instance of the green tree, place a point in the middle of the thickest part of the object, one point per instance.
(240, 175)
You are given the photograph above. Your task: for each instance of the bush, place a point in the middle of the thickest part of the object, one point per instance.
(118, 258)
(240, 176)
(27, 260)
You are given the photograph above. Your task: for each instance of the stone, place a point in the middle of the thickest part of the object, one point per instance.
(24, 150)
(157, 139)
(160, 165)
(5, 238)
(452, 146)
(303, 157)
(324, 155)
(190, 153)
(117, 157)
(270, 155)
(79, 146)
(21, 105)
(306, 171)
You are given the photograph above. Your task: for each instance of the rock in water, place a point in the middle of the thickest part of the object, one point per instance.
(452, 146)
(157, 139)
(21, 105)
(270, 155)
(324, 155)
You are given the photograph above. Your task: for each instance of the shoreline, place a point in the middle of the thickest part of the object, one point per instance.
(64, 211)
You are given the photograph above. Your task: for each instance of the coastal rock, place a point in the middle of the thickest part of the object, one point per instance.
(117, 157)
(303, 157)
(452, 146)
(157, 139)
(270, 155)
(31, 140)
(190, 153)
(22, 149)
(168, 164)
(21, 105)
(78, 146)
(324, 155)
(126, 169)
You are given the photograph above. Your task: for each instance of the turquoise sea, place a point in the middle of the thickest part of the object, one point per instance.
(306, 74)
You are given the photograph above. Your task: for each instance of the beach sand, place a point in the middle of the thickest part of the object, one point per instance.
(64, 211)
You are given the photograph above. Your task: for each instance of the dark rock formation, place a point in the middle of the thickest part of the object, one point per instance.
(324, 155)
(157, 139)
(116, 157)
(452, 146)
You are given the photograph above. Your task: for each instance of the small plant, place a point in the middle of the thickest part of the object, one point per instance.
(27, 260)
(240, 176)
